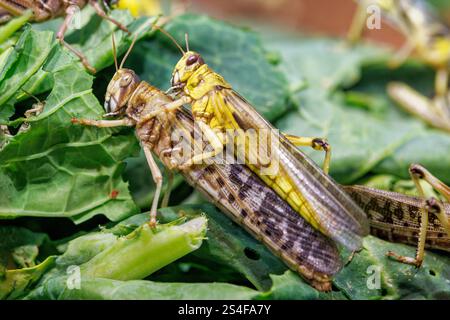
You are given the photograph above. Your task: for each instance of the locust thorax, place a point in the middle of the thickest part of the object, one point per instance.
(120, 89)
(185, 67)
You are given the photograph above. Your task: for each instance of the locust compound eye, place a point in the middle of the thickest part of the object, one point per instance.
(126, 80)
(192, 59)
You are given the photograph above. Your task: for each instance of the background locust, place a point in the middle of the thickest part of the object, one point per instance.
(217, 108)
(426, 35)
(420, 221)
(48, 9)
(232, 187)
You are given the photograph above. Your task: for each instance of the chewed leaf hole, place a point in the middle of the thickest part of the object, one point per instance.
(432, 272)
(251, 254)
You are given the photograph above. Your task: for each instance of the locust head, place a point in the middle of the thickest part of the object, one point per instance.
(185, 67)
(120, 90)
(122, 85)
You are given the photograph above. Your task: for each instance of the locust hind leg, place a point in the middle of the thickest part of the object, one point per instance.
(401, 55)
(316, 144)
(99, 10)
(358, 24)
(431, 111)
(70, 13)
(422, 173)
(156, 173)
(166, 198)
(158, 179)
(431, 206)
(441, 82)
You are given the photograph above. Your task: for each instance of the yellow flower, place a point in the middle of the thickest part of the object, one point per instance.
(141, 7)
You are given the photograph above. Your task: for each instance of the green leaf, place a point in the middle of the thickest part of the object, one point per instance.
(322, 63)
(381, 139)
(15, 283)
(71, 170)
(370, 267)
(29, 55)
(146, 251)
(105, 289)
(7, 30)
(22, 260)
(100, 254)
(289, 286)
(230, 247)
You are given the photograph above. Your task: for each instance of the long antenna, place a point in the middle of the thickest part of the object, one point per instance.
(171, 38)
(114, 52)
(31, 95)
(186, 39)
(128, 52)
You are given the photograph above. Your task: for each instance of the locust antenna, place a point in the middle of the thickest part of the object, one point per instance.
(114, 52)
(31, 95)
(128, 52)
(186, 39)
(171, 38)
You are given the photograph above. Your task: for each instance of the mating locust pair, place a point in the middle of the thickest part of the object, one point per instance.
(299, 212)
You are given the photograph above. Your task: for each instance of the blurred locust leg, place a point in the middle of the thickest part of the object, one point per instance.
(419, 105)
(35, 110)
(101, 13)
(158, 179)
(4, 130)
(358, 24)
(431, 206)
(315, 143)
(441, 82)
(166, 198)
(401, 55)
(4, 17)
(70, 13)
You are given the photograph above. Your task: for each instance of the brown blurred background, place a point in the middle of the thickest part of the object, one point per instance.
(329, 17)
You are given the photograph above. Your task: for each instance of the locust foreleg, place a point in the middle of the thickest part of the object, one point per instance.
(316, 144)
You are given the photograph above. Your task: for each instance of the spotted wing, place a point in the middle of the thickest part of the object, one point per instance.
(333, 210)
(252, 204)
